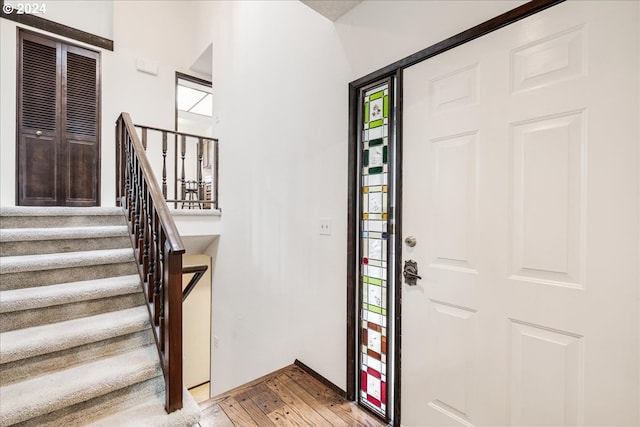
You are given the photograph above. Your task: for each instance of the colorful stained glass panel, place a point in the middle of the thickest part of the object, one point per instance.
(374, 248)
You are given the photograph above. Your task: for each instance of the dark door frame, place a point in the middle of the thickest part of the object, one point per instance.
(353, 274)
(187, 77)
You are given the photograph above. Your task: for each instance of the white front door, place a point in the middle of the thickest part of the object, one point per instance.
(521, 187)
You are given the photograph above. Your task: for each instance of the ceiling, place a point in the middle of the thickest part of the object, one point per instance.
(204, 63)
(331, 9)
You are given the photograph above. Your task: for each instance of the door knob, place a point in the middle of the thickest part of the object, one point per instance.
(410, 241)
(38, 133)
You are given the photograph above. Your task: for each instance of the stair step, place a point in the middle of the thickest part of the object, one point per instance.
(34, 241)
(23, 271)
(30, 342)
(92, 410)
(31, 398)
(30, 352)
(60, 221)
(26, 211)
(65, 293)
(151, 413)
(34, 217)
(35, 306)
(89, 232)
(23, 369)
(25, 263)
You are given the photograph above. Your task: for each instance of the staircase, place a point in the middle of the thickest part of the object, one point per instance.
(76, 346)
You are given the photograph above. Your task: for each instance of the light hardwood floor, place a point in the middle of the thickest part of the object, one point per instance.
(287, 397)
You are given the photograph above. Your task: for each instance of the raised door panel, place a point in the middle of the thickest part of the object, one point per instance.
(546, 376)
(451, 336)
(82, 173)
(38, 183)
(454, 202)
(547, 205)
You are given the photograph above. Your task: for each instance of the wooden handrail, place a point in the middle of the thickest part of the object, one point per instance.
(198, 271)
(173, 132)
(158, 252)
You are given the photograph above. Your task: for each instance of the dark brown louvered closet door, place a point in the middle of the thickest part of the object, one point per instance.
(58, 123)
(80, 126)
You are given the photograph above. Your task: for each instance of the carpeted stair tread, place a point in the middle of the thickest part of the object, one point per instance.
(65, 293)
(24, 263)
(60, 233)
(151, 413)
(40, 217)
(37, 396)
(59, 211)
(38, 340)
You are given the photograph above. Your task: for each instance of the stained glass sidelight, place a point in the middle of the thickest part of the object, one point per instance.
(373, 248)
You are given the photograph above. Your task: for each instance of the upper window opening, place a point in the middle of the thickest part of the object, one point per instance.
(194, 98)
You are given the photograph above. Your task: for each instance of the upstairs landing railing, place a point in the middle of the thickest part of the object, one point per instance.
(186, 166)
(158, 252)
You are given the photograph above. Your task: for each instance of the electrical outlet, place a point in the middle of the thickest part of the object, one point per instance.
(325, 226)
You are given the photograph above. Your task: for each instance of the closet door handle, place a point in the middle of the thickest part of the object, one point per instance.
(39, 133)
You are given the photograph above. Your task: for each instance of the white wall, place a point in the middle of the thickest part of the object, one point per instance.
(7, 112)
(139, 31)
(280, 75)
(278, 289)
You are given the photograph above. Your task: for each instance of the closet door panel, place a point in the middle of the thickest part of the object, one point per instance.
(81, 126)
(39, 81)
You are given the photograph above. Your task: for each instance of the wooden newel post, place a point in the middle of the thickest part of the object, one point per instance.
(172, 319)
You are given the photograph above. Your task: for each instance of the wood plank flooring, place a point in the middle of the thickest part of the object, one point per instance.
(287, 397)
